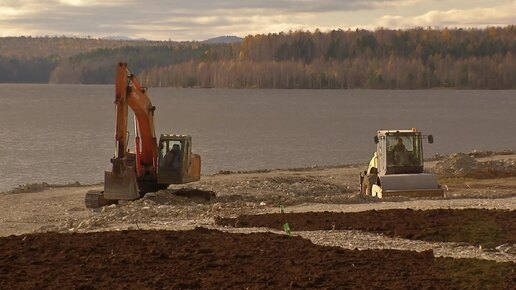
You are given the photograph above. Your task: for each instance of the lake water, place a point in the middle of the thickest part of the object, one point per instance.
(65, 133)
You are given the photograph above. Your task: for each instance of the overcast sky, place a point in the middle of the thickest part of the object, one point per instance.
(203, 19)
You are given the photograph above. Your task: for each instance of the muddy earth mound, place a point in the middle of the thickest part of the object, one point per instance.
(465, 165)
(286, 190)
(210, 259)
(488, 228)
(230, 198)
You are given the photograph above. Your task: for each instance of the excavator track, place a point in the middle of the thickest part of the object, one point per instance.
(95, 199)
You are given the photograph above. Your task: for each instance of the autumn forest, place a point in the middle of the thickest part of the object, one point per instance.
(339, 59)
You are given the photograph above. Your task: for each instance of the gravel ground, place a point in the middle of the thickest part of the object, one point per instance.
(61, 208)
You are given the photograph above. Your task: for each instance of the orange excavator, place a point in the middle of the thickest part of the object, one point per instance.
(155, 164)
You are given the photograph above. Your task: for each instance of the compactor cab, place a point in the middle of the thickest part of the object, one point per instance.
(396, 168)
(176, 162)
(399, 151)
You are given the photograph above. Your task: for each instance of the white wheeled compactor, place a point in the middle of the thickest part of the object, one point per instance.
(396, 168)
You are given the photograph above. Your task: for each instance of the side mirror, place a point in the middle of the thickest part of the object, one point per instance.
(430, 139)
(376, 139)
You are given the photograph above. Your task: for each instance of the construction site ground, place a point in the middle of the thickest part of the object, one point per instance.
(48, 232)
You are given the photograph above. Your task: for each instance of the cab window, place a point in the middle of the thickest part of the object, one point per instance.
(403, 150)
(170, 154)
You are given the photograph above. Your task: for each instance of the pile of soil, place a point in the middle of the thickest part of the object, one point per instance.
(465, 165)
(279, 189)
(488, 153)
(488, 228)
(172, 205)
(210, 259)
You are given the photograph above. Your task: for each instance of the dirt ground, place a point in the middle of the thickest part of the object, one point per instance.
(480, 227)
(210, 259)
(33, 210)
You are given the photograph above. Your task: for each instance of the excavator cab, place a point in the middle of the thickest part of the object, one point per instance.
(176, 162)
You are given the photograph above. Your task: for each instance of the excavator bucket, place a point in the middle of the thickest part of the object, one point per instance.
(121, 186)
(409, 185)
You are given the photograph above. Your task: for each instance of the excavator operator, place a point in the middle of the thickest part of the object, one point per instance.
(169, 158)
(399, 147)
(176, 156)
(402, 157)
(173, 157)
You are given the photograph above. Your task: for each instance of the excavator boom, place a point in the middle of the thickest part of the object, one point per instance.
(122, 181)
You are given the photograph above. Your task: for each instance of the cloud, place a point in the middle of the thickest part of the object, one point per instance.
(202, 19)
(160, 19)
(475, 17)
(280, 6)
(396, 3)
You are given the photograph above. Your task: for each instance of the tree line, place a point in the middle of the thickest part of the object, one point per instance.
(29, 59)
(382, 59)
(497, 72)
(339, 59)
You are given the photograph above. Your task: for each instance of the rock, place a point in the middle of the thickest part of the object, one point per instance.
(507, 248)
(150, 195)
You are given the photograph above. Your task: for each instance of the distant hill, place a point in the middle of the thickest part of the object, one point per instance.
(63, 47)
(224, 39)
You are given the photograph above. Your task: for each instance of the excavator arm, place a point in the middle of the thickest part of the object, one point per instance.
(129, 93)
(130, 169)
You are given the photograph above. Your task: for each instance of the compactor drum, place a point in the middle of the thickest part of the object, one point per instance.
(396, 168)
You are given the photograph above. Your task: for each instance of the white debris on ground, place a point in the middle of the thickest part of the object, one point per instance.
(365, 240)
(236, 197)
(279, 185)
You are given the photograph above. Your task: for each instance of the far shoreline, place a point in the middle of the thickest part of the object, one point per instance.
(41, 186)
(279, 89)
